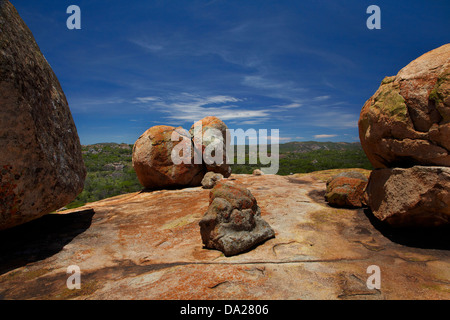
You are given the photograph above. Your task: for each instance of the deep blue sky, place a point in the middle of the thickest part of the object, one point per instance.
(304, 67)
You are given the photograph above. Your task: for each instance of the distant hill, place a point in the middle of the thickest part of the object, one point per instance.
(110, 171)
(309, 156)
(307, 146)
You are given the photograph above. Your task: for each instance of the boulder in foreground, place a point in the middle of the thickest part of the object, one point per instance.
(413, 197)
(233, 222)
(41, 165)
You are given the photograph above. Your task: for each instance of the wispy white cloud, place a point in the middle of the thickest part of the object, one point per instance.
(188, 107)
(114, 100)
(268, 138)
(290, 106)
(250, 122)
(145, 99)
(324, 136)
(147, 45)
(261, 82)
(281, 138)
(90, 104)
(321, 98)
(270, 86)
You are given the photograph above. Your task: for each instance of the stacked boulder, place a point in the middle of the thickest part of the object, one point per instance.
(233, 222)
(404, 130)
(41, 164)
(155, 150)
(210, 140)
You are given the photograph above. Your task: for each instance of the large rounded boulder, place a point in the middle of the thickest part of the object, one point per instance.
(210, 135)
(153, 158)
(407, 121)
(41, 165)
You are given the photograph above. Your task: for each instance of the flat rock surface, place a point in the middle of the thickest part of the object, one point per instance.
(148, 246)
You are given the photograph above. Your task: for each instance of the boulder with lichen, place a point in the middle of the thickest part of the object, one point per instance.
(233, 222)
(407, 121)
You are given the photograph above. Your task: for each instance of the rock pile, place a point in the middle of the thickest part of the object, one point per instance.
(41, 165)
(346, 189)
(233, 222)
(153, 154)
(404, 129)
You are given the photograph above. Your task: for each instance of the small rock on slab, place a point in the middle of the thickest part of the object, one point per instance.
(233, 222)
(210, 179)
(258, 172)
(346, 190)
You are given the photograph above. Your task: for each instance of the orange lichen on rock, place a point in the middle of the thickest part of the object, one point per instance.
(407, 121)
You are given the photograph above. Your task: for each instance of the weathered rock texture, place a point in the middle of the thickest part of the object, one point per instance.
(146, 245)
(210, 179)
(407, 121)
(233, 222)
(209, 138)
(346, 189)
(153, 151)
(417, 196)
(41, 164)
(152, 159)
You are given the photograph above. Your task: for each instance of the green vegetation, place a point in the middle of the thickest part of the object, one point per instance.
(110, 172)
(304, 157)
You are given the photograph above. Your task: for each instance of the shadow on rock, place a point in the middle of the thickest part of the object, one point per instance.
(318, 196)
(40, 238)
(424, 238)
